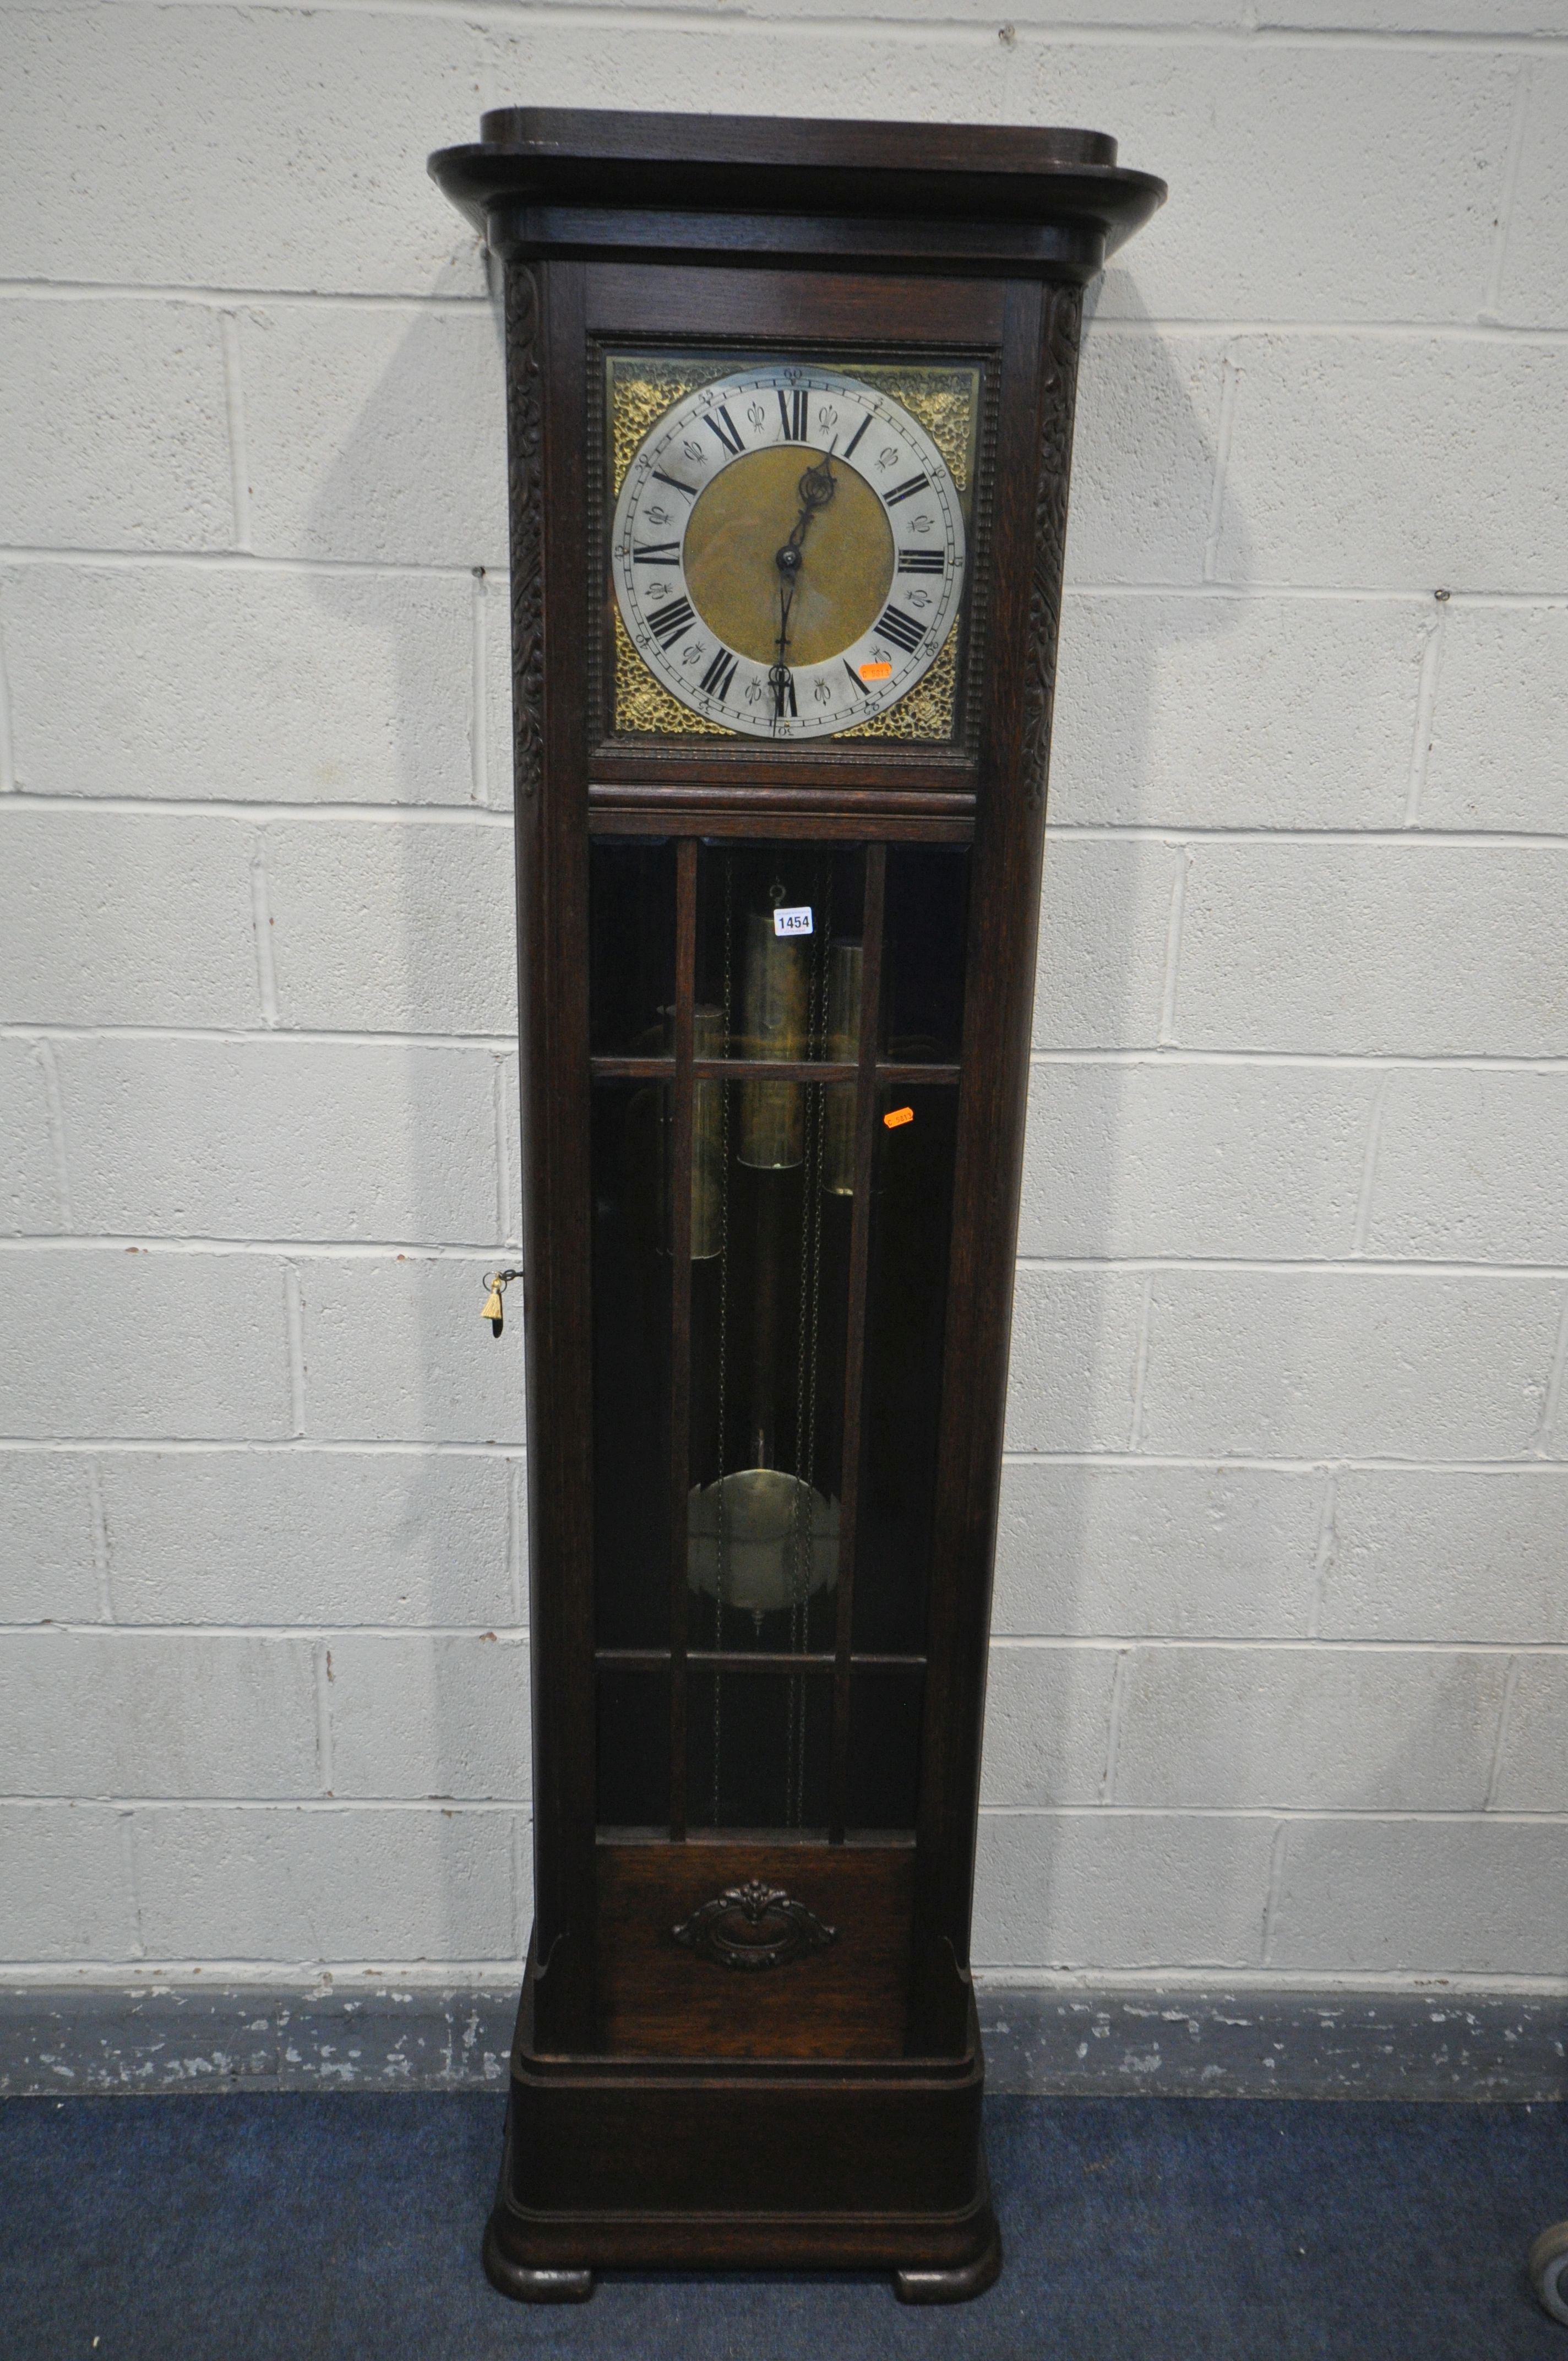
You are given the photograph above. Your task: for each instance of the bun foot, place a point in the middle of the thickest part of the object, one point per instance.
(532, 2286)
(951, 2286)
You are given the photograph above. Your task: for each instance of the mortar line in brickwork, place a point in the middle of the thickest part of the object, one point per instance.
(54, 1114)
(230, 561)
(1470, 840)
(1501, 1743)
(321, 1666)
(1092, 32)
(133, 1884)
(336, 1630)
(1142, 1985)
(1469, 1815)
(1174, 1642)
(294, 1329)
(1479, 330)
(398, 569)
(1222, 1463)
(1162, 1054)
(1152, 1054)
(1127, 326)
(1176, 831)
(1211, 1463)
(331, 1250)
(517, 1533)
(279, 1975)
(1426, 715)
(1148, 1984)
(1493, 293)
(478, 734)
(1229, 375)
(260, 1445)
(1343, 594)
(504, 1223)
(1170, 978)
(304, 1035)
(1140, 1364)
(7, 747)
(328, 1629)
(521, 1882)
(234, 406)
(211, 296)
(235, 807)
(1541, 1448)
(103, 1560)
(1363, 1225)
(261, 928)
(1323, 1556)
(1343, 1267)
(455, 1806)
(447, 1807)
(1271, 1892)
(1114, 1718)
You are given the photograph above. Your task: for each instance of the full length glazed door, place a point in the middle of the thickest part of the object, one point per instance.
(776, 1032)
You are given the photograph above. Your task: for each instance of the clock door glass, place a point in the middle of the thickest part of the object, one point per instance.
(789, 546)
(773, 1141)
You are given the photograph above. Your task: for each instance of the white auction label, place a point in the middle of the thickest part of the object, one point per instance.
(793, 922)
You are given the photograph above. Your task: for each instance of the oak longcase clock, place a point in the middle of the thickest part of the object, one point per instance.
(790, 407)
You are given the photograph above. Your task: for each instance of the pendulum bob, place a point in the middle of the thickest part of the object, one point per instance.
(776, 1001)
(845, 962)
(761, 1540)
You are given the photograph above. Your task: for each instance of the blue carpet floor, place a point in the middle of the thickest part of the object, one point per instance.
(272, 2227)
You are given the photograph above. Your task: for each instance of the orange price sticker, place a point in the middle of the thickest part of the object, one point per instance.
(895, 1115)
(876, 671)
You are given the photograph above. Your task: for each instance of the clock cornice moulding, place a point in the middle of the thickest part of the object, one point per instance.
(792, 192)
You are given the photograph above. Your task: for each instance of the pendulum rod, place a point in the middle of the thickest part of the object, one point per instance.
(681, 1321)
(719, 1583)
(855, 1343)
(803, 1539)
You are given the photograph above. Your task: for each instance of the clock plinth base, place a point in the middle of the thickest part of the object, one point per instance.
(742, 2164)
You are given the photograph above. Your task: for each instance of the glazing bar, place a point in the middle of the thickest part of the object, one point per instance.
(855, 1346)
(681, 1319)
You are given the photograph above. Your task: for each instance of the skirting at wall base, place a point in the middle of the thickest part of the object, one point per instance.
(1153, 2039)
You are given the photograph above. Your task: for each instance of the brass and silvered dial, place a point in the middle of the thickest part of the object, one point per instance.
(788, 551)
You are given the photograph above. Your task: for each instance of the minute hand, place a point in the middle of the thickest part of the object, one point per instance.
(815, 490)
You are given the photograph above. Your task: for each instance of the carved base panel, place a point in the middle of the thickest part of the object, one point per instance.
(807, 2165)
(753, 1949)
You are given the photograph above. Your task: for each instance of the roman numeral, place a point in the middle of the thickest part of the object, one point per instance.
(719, 674)
(902, 629)
(792, 409)
(849, 446)
(669, 623)
(855, 677)
(657, 553)
(783, 681)
(921, 561)
(903, 491)
(725, 428)
(674, 483)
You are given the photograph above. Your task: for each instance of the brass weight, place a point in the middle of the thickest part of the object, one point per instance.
(845, 965)
(774, 1003)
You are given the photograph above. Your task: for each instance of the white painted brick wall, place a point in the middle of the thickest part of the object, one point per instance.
(379, 668)
(1281, 1620)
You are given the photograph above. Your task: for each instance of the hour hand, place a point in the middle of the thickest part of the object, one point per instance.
(779, 678)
